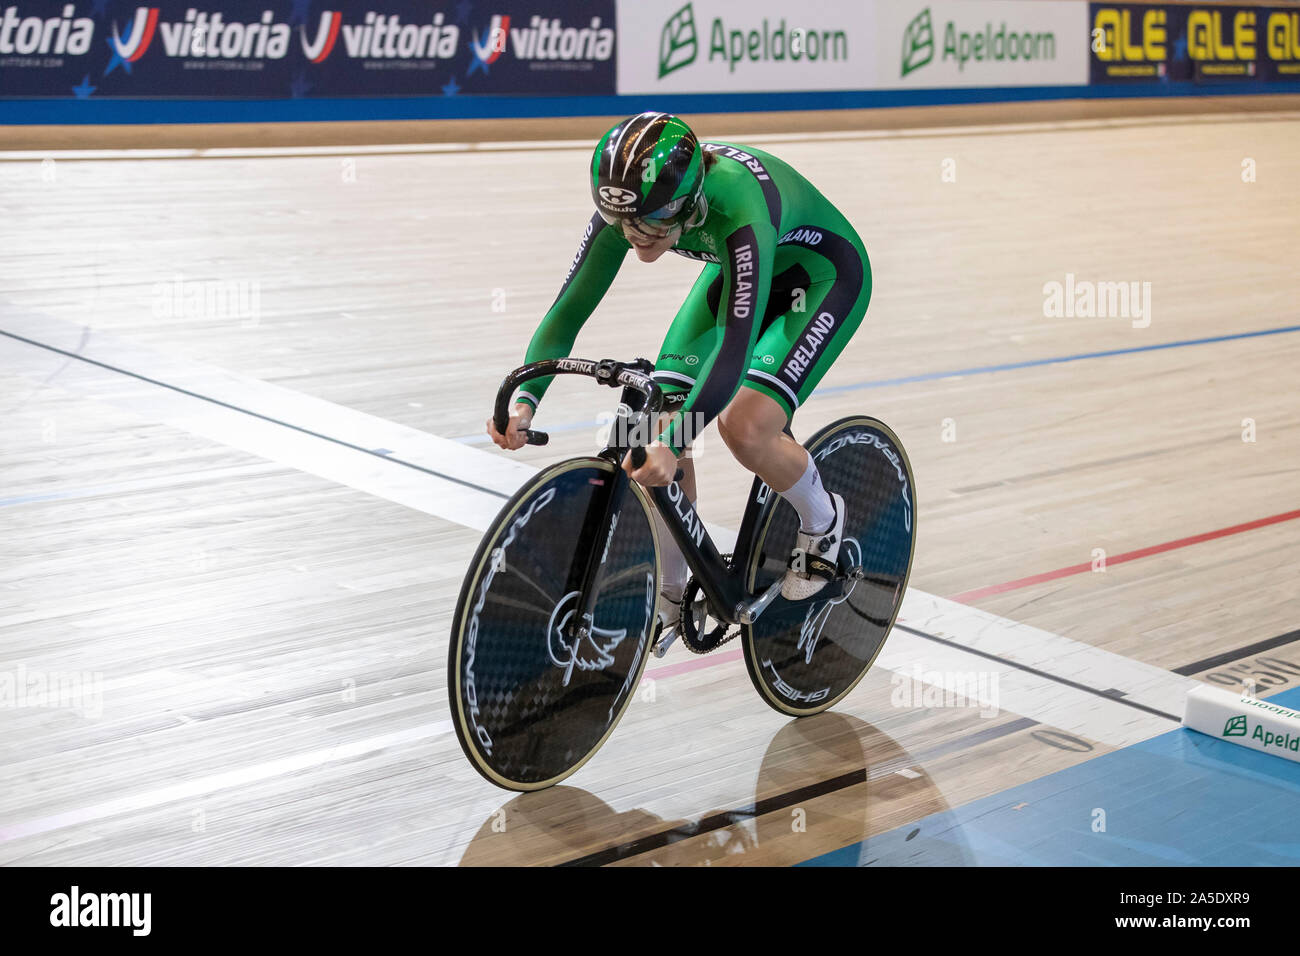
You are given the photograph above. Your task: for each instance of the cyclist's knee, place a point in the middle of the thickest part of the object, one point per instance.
(744, 434)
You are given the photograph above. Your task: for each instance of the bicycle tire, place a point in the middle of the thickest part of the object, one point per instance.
(528, 709)
(837, 640)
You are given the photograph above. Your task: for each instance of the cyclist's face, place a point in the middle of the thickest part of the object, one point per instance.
(649, 245)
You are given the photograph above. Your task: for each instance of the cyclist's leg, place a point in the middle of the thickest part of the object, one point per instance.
(789, 360)
(690, 339)
(797, 348)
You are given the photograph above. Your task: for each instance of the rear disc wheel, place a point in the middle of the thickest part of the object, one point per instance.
(804, 659)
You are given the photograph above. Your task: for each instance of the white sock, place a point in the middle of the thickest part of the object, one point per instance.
(811, 500)
(672, 560)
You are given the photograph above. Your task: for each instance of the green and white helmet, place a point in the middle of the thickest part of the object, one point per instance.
(647, 174)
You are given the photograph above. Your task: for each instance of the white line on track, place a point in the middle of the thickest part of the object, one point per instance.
(370, 473)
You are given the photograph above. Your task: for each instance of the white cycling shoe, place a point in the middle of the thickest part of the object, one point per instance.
(812, 562)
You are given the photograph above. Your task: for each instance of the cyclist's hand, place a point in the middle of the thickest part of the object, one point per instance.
(520, 422)
(659, 468)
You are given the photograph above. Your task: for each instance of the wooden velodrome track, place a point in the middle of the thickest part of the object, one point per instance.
(230, 518)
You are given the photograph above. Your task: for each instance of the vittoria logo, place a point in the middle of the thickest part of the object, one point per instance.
(138, 35)
(541, 39)
(201, 34)
(487, 50)
(327, 34)
(58, 35)
(382, 36)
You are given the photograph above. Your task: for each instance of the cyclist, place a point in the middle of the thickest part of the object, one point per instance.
(785, 285)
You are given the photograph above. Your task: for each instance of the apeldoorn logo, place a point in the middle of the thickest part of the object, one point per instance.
(678, 45)
(918, 42)
(58, 35)
(76, 909)
(754, 41)
(1001, 45)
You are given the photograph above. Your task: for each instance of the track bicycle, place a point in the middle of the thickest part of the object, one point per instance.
(558, 612)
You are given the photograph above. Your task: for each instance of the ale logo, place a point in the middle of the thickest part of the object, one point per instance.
(918, 43)
(677, 43)
(1235, 727)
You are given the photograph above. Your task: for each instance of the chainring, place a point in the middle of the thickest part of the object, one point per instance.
(696, 642)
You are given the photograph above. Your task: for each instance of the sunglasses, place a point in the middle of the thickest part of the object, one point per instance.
(665, 221)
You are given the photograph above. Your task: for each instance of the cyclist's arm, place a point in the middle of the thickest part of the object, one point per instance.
(599, 256)
(746, 280)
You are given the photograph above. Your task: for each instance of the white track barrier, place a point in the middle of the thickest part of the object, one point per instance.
(1253, 723)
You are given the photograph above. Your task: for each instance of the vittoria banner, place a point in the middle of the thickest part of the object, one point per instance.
(303, 48)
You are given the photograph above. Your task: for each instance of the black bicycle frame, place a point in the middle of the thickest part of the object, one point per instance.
(722, 582)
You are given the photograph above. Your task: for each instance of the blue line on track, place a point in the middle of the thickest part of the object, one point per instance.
(974, 370)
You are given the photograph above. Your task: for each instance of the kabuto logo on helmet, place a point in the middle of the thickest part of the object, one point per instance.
(617, 196)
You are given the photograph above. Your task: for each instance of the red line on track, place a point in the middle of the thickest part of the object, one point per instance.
(966, 597)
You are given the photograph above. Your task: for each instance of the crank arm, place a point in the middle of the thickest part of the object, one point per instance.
(664, 641)
(749, 613)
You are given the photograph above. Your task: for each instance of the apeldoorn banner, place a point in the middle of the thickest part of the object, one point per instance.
(958, 43)
(1210, 43)
(303, 48)
(721, 46)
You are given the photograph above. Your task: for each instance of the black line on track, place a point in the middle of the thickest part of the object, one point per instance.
(725, 818)
(792, 797)
(1228, 657)
(247, 411)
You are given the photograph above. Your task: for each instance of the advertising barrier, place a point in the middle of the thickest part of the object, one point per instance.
(300, 48)
(1210, 43)
(87, 61)
(955, 43)
(760, 45)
